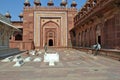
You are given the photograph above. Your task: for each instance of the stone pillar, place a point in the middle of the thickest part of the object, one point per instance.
(84, 39)
(92, 39)
(88, 38)
(77, 37)
(117, 28)
(102, 32)
(94, 36)
(81, 38)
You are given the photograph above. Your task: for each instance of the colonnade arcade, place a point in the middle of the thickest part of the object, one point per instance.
(86, 35)
(5, 34)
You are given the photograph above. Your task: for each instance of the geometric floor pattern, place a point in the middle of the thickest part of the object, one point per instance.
(73, 65)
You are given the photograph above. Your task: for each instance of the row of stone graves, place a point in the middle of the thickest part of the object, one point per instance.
(34, 52)
(20, 60)
(33, 56)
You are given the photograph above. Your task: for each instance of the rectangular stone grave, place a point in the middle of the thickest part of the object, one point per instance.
(8, 59)
(51, 58)
(32, 52)
(19, 63)
(17, 57)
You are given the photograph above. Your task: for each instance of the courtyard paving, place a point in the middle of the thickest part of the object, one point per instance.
(73, 65)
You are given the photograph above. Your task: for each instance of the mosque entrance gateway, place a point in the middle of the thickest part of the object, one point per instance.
(44, 25)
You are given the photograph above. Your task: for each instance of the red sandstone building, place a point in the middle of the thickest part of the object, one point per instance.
(40, 25)
(98, 21)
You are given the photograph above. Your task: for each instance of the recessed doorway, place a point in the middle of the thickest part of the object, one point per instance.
(99, 39)
(50, 42)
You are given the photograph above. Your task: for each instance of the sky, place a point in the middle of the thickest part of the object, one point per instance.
(15, 7)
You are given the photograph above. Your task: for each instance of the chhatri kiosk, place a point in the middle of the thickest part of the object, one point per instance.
(6, 30)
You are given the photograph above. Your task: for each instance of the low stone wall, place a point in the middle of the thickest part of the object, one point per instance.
(5, 52)
(111, 53)
(22, 45)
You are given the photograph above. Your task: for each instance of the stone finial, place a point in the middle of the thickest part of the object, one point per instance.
(27, 3)
(21, 16)
(74, 4)
(63, 3)
(50, 3)
(7, 15)
(37, 2)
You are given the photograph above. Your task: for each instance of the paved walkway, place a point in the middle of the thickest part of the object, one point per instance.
(73, 65)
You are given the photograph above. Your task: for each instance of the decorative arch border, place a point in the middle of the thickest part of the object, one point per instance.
(50, 21)
(38, 15)
(56, 40)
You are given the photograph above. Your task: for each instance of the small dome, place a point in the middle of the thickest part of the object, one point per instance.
(50, 3)
(63, 3)
(27, 3)
(21, 15)
(74, 4)
(37, 2)
(7, 15)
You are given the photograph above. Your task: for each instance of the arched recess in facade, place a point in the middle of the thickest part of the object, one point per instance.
(50, 34)
(98, 33)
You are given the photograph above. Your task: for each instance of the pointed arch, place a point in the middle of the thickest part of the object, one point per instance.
(48, 22)
(50, 31)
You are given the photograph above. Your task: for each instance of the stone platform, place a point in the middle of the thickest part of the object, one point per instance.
(73, 65)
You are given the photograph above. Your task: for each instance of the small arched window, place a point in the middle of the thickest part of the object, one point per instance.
(18, 37)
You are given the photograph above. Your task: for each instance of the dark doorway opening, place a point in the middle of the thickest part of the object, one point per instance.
(99, 39)
(18, 37)
(50, 42)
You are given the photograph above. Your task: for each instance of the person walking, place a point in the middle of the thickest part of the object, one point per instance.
(45, 47)
(97, 48)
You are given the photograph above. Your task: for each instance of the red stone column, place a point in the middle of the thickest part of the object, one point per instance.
(88, 38)
(82, 37)
(117, 30)
(77, 37)
(93, 36)
(83, 42)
